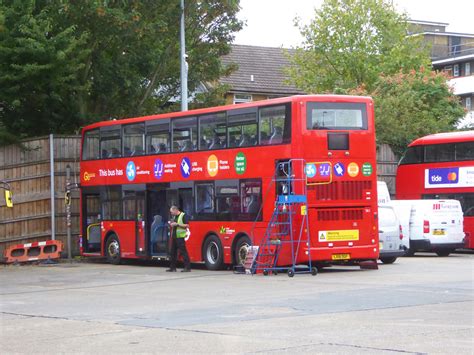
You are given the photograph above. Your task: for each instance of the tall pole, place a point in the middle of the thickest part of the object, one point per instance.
(184, 65)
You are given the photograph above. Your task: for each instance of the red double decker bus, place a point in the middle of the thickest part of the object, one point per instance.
(441, 166)
(218, 164)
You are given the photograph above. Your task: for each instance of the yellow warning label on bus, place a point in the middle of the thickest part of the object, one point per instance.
(338, 235)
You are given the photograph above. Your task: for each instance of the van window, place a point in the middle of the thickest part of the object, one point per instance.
(387, 217)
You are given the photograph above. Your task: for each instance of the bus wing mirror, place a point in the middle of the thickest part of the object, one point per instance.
(8, 198)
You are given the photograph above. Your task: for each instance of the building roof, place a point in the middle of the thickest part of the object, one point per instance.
(260, 70)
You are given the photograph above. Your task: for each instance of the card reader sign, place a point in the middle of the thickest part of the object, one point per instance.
(338, 235)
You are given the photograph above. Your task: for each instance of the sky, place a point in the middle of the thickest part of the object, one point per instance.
(270, 23)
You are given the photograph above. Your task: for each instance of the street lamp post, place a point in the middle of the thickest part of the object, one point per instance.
(184, 65)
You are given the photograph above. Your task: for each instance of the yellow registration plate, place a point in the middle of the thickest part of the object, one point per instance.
(439, 232)
(341, 256)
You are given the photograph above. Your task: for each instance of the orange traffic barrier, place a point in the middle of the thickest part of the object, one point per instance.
(50, 249)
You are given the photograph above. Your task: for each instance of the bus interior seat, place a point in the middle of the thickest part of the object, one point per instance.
(138, 150)
(114, 153)
(176, 147)
(105, 153)
(244, 140)
(152, 149)
(187, 146)
(215, 143)
(276, 136)
(127, 151)
(156, 231)
(163, 148)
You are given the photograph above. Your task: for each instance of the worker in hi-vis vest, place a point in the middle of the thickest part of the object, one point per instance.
(179, 226)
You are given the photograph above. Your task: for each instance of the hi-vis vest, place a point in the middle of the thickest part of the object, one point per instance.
(180, 231)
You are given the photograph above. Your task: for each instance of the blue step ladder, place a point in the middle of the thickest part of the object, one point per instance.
(288, 229)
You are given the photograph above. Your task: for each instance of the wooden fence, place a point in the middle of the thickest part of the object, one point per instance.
(31, 170)
(28, 170)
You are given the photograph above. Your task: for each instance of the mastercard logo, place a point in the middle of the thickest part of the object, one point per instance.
(452, 176)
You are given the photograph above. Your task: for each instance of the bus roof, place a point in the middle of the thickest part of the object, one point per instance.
(281, 100)
(448, 137)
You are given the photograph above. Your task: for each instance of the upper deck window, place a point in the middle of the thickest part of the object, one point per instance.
(242, 127)
(213, 131)
(332, 115)
(275, 125)
(133, 139)
(158, 136)
(439, 152)
(184, 134)
(90, 149)
(110, 142)
(413, 155)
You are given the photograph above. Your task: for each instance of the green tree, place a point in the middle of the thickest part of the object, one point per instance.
(39, 66)
(411, 105)
(91, 60)
(350, 43)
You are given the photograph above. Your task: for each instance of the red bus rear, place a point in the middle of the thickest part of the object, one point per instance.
(218, 165)
(441, 166)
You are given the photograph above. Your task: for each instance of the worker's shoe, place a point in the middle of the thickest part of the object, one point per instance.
(186, 270)
(170, 270)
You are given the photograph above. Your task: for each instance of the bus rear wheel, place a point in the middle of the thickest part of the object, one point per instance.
(241, 249)
(112, 250)
(213, 253)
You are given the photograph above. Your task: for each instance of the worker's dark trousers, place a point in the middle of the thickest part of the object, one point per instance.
(179, 244)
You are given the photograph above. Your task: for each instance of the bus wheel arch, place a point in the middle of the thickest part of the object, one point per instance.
(213, 252)
(239, 248)
(112, 248)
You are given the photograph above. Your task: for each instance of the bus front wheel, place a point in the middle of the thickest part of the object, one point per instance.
(213, 253)
(112, 250)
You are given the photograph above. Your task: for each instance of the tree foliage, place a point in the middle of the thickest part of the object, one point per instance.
(350, 43)
(412, 105)
(362, 47)
(67, 63)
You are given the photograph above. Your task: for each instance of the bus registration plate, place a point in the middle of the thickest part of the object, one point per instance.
(439, 232)
(341, 256)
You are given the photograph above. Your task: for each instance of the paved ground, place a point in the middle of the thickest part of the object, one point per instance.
(423, 304)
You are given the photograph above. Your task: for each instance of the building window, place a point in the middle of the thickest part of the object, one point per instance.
(456, 70)
(242, 98)
(468, 103)
(467, 69)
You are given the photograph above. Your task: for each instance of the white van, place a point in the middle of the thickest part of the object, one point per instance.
(390, 235)
(435, 225)
(383, 196)
(403, 211)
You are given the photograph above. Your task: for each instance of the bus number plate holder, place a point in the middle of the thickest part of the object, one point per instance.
(340, 256)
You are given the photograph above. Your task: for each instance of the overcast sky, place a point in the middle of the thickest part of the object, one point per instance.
(270, 22)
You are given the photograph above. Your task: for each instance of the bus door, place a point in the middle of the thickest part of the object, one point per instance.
(91, 240)
(158, 217)
(133, 222)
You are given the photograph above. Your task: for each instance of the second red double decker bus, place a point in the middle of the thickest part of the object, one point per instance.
(218, 165)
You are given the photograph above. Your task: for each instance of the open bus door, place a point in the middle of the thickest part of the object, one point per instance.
(158, 217)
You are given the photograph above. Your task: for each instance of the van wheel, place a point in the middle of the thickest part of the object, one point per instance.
(112, 250)
(241, 250)
(444, 252)
(213, 253)
(388, 260)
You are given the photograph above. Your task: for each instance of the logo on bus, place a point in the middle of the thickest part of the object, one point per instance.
(443, 176)
(325, 170)
(131, 171)
(311, 170)
(353, 169)
(88, 176)
(339, 169)
(158, 168)
(185, 167)
(212, 165)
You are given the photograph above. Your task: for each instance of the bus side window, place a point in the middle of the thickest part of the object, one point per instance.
(184, 134)
(133, 139)
(91, 147)
(110, 142)
(213, 131)
(158, 136)
(204, 199)
(274, 125)
(242, 127)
